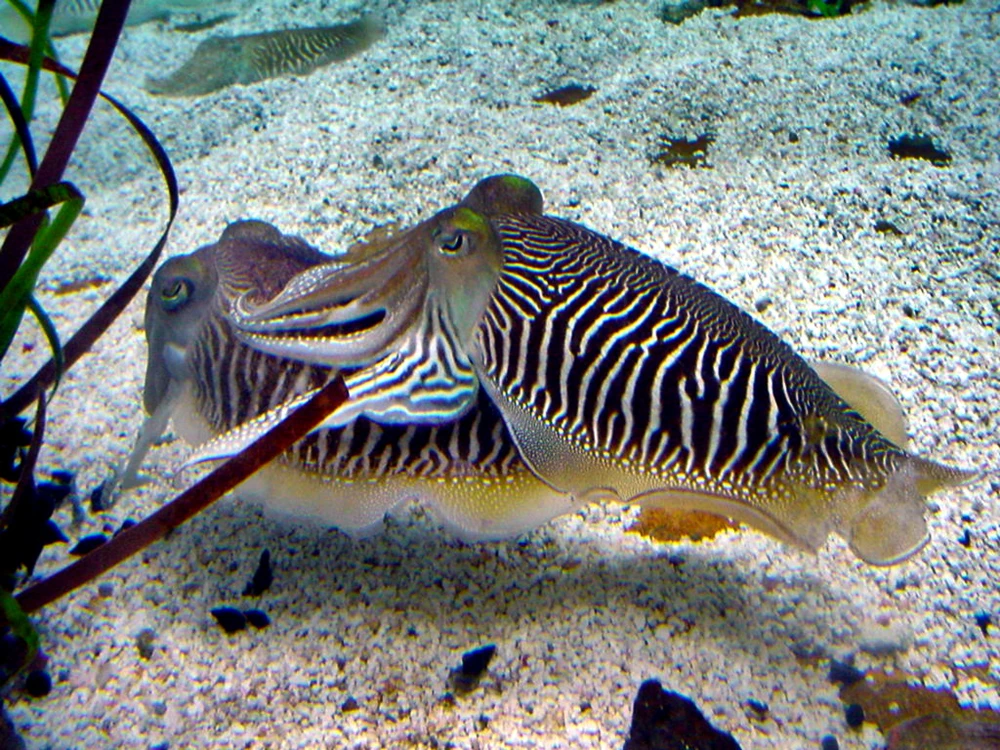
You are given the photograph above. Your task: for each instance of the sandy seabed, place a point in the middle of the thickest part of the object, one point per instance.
(781, 220)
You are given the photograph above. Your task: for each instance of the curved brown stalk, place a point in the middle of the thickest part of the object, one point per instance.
(190, 502)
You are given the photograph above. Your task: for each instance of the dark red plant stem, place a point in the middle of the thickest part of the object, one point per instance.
(188, 503)
(89, 332)
(100, 50)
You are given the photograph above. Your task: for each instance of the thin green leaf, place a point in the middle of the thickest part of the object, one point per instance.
(40, 22)
(20, 623)
(51, 335)
(14, 296)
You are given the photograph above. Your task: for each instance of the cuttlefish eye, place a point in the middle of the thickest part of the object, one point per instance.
(453, 243)
(458, 233)
(175, 293)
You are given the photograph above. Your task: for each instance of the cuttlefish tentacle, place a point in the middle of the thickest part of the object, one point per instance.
(222, 393)
(617, 374)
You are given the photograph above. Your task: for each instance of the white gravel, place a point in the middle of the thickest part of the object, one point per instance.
(581, 612)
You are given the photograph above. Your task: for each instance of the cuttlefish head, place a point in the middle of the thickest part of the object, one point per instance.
(355, 309)
(251, 257)
(178, 303)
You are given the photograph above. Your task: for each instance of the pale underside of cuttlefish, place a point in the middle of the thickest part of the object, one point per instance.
(619, 378)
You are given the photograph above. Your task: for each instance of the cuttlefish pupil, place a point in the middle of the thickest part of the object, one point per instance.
(452, 243)
(176, 294)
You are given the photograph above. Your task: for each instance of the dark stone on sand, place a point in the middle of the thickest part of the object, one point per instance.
(262, 577)
(474, 664)
(257, 618)
(38, 684)
(829, 743)
(844, 673)
(662, 720)
(97, 500)
(231, 620)
(88, 544)
(983, 621)
(349, 705)
(758, 709)
(854, 715)
(145, 641)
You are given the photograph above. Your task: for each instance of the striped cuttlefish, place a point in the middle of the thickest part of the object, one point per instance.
(509, 366)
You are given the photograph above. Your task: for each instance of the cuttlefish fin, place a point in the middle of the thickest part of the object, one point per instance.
(551, 456)
(475, 508)
(867, 395)
(891, 526)
(719, 505)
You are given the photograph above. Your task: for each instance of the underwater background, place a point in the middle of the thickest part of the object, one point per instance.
(766, 154)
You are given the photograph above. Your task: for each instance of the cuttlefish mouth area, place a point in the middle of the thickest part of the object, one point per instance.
(344, 329)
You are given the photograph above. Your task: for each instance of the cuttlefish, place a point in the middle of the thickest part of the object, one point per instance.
(221, 392)
(620, 378)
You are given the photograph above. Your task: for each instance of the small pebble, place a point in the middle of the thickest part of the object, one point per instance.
(257, 618)
(98, 502)
(262, 577)
(349, 705)
(229, 619)
(829, 743)
(854, 714)
(158, 708)
(38, 684)
(105, 589)
(88, 544)
(844, 673)
(145, 641)
(758, 709)
(966, 539)
(474, 665)
(983, 621)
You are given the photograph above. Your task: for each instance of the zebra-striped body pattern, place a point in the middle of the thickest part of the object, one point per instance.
(619, 375)
(639, 364)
